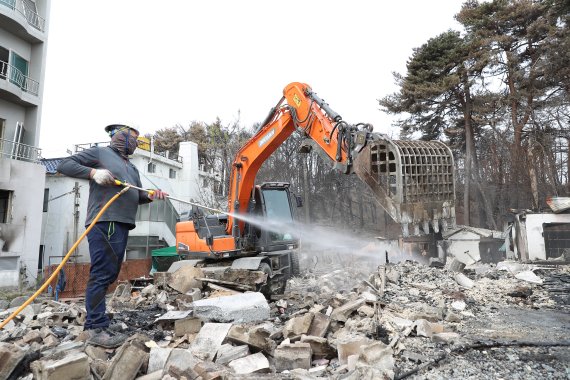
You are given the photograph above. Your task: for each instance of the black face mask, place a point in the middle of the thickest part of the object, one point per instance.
(124, 143)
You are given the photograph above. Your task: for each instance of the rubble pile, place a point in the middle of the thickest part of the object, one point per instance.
(356, 321)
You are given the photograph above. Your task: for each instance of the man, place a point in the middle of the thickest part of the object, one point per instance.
(108, 238)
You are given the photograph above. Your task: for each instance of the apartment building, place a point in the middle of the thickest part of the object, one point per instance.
(23, 45)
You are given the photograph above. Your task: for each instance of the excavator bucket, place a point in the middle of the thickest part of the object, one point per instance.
(412, 180)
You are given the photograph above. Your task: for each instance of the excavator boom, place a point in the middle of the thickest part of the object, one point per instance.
(412, 180)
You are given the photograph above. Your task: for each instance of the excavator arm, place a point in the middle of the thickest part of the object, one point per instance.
(412, 180)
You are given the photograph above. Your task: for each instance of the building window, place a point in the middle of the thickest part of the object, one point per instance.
(46, 199)
(172, 173)
(151, 168)
(5, 197)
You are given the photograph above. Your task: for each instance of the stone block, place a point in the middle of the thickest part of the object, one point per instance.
(228, 353)
(258, 338)
(350, 346)
(210, 371)
(10, 356)
(295, 327)
(72, 365)
(181, 359)
(209, 340)
(320, 347)
(250, 364)
(291, 356)
(32, 336)
(127, 361)
(184, 279)
(187, 326)
(378, 355)
(158, 358)
(343, 312)
(319, 325)
(240, 308)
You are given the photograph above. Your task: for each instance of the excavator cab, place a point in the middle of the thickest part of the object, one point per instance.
(272, 226)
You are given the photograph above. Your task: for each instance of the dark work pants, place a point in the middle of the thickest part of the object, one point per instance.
(107, 244)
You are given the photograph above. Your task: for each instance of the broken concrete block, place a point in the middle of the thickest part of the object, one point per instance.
(127, 361)
(445, 337)
(258, 337)
(181, 359)
(175, 373)
(298, 326)
(95, 352)
(456, 266)
(250, 364)
(241, 308)
(73, 365)
(463, 280)
(210, 371)
(99, 367)
(184, 279)
(342, 313)
(187, 326)
(209, 340)
(378, 355)
(365, 311)
(529, 276)
(228, 353)
(291, 356)
(10, 356)
(427, 329)
(50, 341)
(320, 347)
(158, 358)
(350, 346)
(32, 336)
(319, 325)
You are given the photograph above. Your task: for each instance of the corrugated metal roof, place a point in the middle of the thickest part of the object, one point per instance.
(51, 164)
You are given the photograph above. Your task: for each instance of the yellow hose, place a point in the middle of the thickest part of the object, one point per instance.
(52, 277)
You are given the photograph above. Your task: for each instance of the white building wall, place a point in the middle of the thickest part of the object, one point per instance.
(465, 241)
(58, 222)
(20, 235)
(534, 232)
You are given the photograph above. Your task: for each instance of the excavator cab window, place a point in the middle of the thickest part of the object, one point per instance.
(278, 214)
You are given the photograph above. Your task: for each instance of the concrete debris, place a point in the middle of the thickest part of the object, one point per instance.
(529, 276)
(74, 365)
(239, 308)
(255, 363)
(10, 356)
(227, 353)
(291, 356)
(209, 340)
(357, 321)
(184, 279)
(187, 326)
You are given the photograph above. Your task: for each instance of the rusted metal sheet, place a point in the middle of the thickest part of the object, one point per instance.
(414, 181)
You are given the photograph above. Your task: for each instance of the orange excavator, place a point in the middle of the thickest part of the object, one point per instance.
(412, 180)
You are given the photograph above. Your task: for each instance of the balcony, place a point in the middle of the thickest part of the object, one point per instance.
(15, 76)
(17, 151)
(31, 16)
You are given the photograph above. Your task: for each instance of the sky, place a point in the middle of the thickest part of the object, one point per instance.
(156, 64)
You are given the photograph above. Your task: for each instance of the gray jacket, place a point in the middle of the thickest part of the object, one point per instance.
(124, 209)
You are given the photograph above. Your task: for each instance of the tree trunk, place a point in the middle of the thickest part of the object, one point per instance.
(469, 149)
